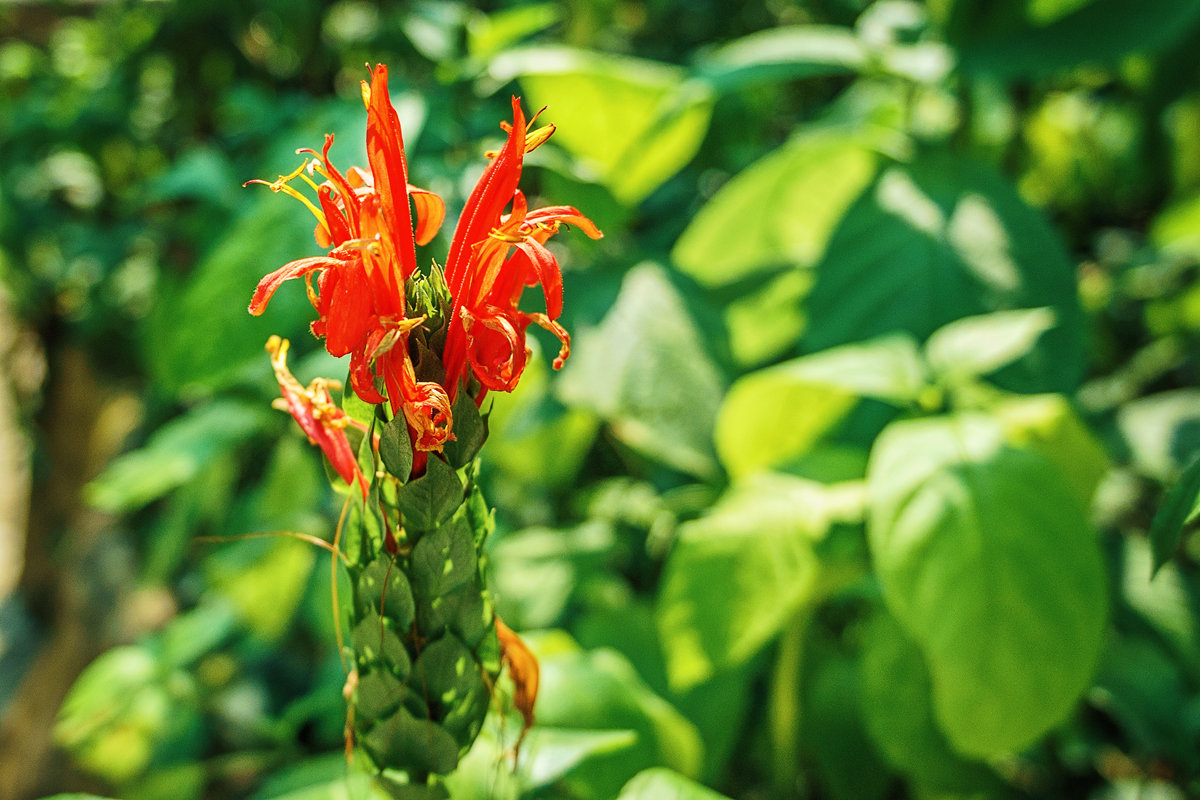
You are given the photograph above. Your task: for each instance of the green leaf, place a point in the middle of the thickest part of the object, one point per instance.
(987, 559)
(489, 34)
(470, 431)
(263, 579)
(784, 53)
(176, 453)
(765, 322)
(849, 765)
(1099, 32)
(443, 559)
(124, 709)
(432, 498)
(975, 346)
(777, 414)
(1049, 424)
(660, 782)
(1179, 511)
(600, 690)
(633, 123)
(781, 210)
(646, 362)
(738, 574)
(938, 240)
(1162, 432)
(897, 702)
(395, 448)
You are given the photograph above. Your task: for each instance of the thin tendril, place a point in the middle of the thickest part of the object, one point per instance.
(305, 537)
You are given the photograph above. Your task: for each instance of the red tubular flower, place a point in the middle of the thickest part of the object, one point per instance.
(364, 216)
(493, 257)
(319, 417)
(358, 287)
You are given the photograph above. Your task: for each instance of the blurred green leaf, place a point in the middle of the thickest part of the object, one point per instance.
(784, 53)
(632, 122)
(599, 690)
(646, 362)
(489, 34)
(1162, 432)
(1179, 511)
(1098, 32)
(767, 321)
(175, 453)
(122, 710)
(979, 345)
(737, 575)
(659, 782)
(942, 239)
(263, 579)
(777, 414)
(898, 705)
(781, 210)
(987, 559)
(1164, 602)
(849, 765)
(1049, 424)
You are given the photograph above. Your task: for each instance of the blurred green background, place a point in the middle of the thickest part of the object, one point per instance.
(882, 414)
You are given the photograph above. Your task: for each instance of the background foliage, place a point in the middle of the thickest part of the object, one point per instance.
(874, 472)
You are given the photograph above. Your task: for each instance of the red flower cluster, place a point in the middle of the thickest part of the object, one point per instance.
(364, 217)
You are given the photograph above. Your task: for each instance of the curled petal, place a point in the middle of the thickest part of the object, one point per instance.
(314, 410)
(296, 269)
(564, 350)
(431, 211)
(545, 267)
(496, 347)
(566, 215)
(425, 404)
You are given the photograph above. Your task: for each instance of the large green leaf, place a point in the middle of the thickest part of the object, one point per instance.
(634, 123)
(737, 575)
(787, 52)
(987, 559)
(659, 783)
(599, 690)
(779, 211)
(777, 414)
(1098, 32)
(897, 702)
(1049, 424)
(938, 240)
(175, 454)
(979, 345)
(646, 370)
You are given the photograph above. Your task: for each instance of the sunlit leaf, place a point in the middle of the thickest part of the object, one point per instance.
(1162, 432)
(783, 53)
(987, 559)
(980, 345)
(1050, 425)
(898, 706)
(777, 414)
(599, 690)
(659, 782)
(781, 210)
(176, 453)
(633, 122)
(738, 574)
(939, 240)
(644, 364)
